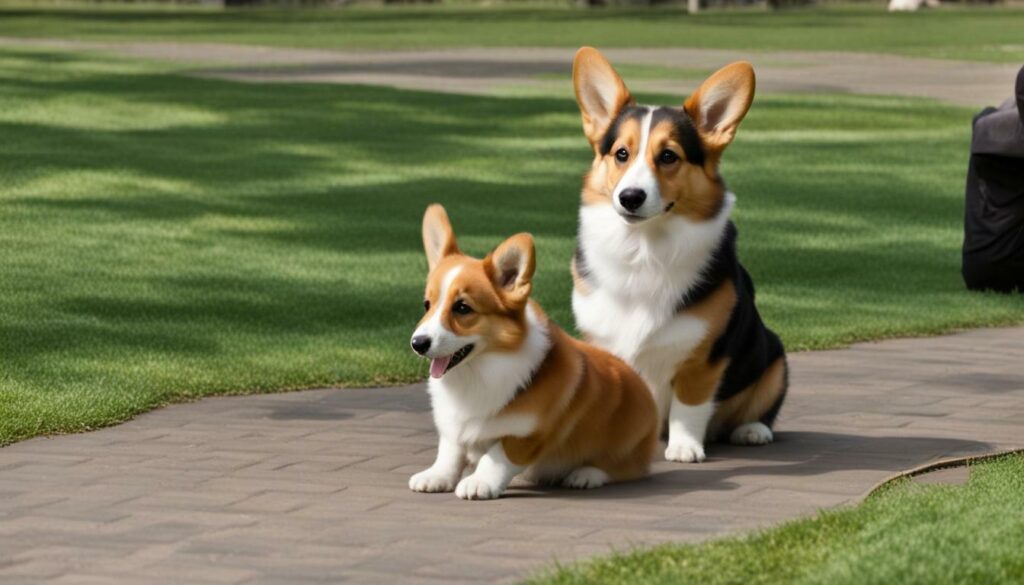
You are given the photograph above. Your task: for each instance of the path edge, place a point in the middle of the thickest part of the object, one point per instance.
(946, 463)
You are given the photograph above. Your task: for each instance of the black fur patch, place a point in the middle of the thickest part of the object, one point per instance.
(582, 268)
(612, 134)
(748, 343)
(685, 132)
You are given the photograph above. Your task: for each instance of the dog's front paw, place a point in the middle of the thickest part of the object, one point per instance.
(476, 488)
(431, 481)
(685, 452)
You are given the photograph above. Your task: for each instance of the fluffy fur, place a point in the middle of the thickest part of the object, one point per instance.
(525, 396)
(657, 279)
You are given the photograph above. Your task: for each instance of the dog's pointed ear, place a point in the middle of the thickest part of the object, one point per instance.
(438, 236)
(511, 267)
(720, 103)
(600, 92)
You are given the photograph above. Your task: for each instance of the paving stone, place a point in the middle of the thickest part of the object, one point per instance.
(310, 487)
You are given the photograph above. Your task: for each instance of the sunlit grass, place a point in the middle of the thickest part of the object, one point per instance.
(913, 534)
(166, 237)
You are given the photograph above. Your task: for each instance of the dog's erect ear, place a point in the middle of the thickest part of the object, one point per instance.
(438, 237)
(599, 92)
(720, 103)
(511, 267)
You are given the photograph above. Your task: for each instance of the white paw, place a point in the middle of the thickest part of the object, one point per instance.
(585, 478)
(475, 488)
(431, 481)
(754, 433)
(685, 452)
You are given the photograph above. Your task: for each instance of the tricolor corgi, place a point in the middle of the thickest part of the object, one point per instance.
(511, 392)
(657, 279)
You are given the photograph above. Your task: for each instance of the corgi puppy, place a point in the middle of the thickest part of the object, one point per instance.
(657, 279)
(511, 392)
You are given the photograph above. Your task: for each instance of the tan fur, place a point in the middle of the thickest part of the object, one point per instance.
(592, 409)
(716, 119)
(493, 316)
(697, 377)
(751, 404)
(696, 192)
(438, 238)
(597, 108)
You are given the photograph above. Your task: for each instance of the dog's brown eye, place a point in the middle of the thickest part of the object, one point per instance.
(461, 308)
(622, 155)
(426, 305)
(667, 157)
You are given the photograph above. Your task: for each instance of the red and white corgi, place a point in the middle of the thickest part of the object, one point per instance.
(511, 392)
(657, 280)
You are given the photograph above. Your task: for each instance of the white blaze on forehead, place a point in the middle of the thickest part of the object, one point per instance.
(448, 279)
(433, 327)
(640, 175)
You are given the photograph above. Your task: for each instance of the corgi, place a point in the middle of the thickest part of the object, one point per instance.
(656, 277)
(510, 391)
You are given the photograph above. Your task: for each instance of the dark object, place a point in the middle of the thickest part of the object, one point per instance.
(993, 253)
(420, 344)
(632, 199)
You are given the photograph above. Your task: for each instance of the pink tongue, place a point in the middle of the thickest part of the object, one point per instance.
(439, 365)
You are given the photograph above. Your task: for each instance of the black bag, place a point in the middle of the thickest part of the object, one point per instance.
(993, 252)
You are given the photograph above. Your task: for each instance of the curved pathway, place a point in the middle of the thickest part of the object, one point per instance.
(490, 70)
(311, 486)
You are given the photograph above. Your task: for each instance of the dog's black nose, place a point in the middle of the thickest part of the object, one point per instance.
(420, 344)
(632, 199)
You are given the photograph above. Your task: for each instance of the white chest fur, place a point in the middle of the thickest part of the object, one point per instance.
(467, 400)
(639, 275)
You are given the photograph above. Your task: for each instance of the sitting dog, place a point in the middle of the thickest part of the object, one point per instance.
(657, 278)
(511, 392)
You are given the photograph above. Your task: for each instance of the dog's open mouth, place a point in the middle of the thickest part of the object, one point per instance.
(440, 366)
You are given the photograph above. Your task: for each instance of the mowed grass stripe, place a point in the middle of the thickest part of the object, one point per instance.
(166, 237)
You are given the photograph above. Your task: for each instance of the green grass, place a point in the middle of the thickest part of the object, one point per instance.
(990, 33)
(166, 237)
(909, 533)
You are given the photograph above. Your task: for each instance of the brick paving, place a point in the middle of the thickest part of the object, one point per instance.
(310, 487)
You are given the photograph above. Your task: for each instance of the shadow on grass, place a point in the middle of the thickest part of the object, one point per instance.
(194, 235)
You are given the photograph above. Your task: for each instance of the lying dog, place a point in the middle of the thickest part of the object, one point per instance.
(511, 392)
(657, 279)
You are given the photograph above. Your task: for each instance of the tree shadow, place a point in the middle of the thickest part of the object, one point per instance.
(282, 214)
(449, 68)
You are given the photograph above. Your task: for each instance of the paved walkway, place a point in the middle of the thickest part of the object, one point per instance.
(311, 486)
(486, 71)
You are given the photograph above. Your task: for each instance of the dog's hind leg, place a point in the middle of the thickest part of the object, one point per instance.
(585, 478)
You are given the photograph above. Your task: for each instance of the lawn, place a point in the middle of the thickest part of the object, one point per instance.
(979, 33)
(167, 237)
(909, 533)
